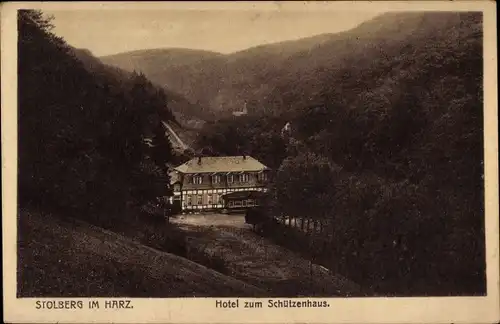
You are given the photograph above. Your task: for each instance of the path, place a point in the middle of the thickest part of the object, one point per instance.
(175, 138)
(224, 220)
(259, 261)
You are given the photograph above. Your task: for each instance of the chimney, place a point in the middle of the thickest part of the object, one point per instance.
(244, 157)
(199, 159)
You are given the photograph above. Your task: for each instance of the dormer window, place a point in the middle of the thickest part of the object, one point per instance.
(197, 180)
(244, 177)
(216, 178)
(230, 178)
(262, 176)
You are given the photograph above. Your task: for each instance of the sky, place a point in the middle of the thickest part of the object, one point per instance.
(106, 32)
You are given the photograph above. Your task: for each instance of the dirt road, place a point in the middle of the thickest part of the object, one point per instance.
(207, 220)
(259, 261)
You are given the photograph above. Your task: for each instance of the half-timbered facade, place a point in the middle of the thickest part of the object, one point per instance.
(203, 183)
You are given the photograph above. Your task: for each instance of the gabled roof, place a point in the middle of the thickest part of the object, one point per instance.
(174, 177)
(221, 164)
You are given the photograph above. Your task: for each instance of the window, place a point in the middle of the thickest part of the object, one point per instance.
(188, 200)
(262, 176)
(237, 203)
(231, 203)
(215, 198)
(230, 178)
(209, 199)
(244, 177)
(250, 202)
(197, 180)
(216, 178)
(244, 203)
(200, 200)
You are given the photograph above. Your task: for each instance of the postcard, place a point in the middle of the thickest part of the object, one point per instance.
(250, 162)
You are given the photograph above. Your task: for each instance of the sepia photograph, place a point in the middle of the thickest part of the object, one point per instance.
(261, 158)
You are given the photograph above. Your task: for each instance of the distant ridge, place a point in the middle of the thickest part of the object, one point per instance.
(160, 50)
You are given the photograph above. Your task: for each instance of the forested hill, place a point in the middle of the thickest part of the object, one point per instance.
(280, 77)
(397, 70)
(82, 129)
(384, 54)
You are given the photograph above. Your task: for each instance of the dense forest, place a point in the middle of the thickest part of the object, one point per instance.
(386, 151)
(255, 135)
(90, 139)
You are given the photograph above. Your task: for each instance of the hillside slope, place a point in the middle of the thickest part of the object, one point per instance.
(374, 55)
(74, 259)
